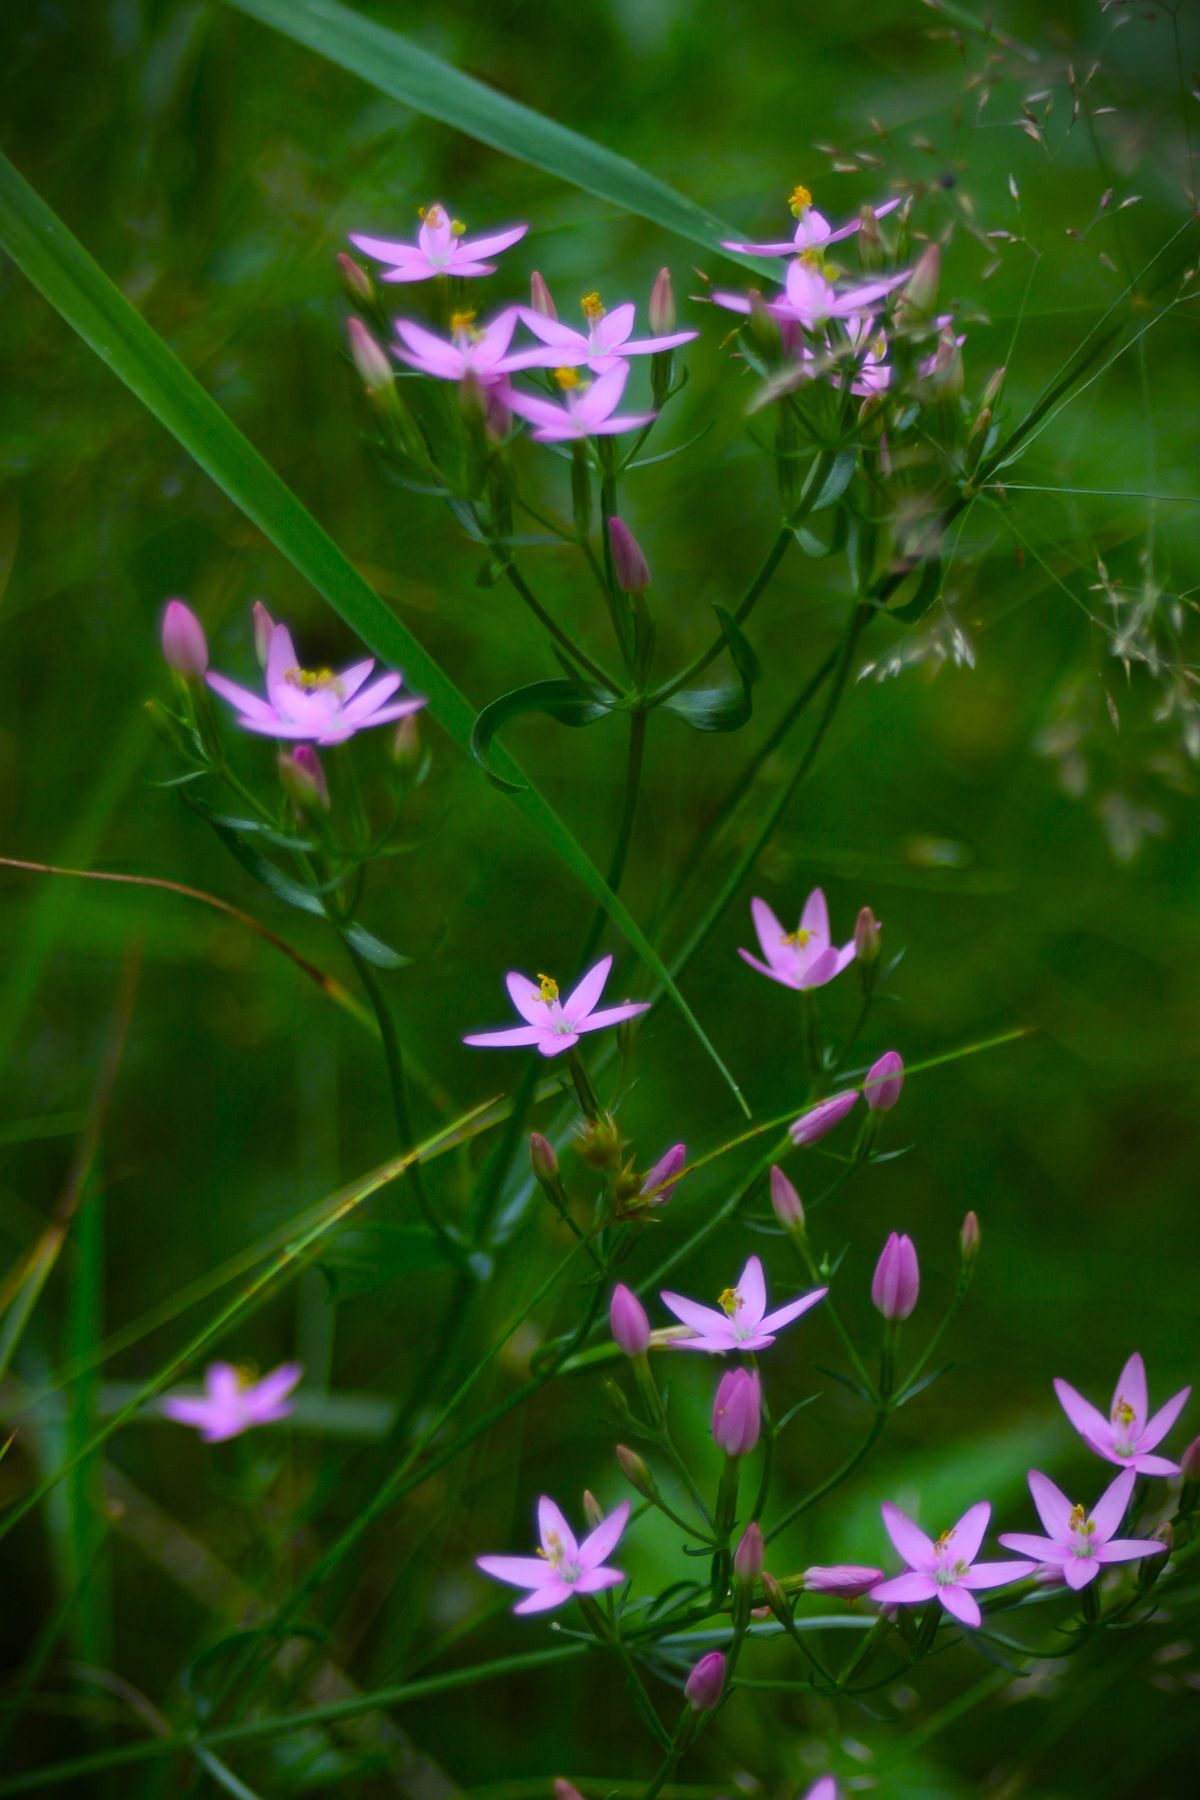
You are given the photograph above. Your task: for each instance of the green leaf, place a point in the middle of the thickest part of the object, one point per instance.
(406, 73)
(567, 701)
(58, 265)
(722, 708)
(373, 949)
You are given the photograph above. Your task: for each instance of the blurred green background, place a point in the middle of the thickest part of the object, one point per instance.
(1024, 828)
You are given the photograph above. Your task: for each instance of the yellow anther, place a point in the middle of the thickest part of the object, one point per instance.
(308, 679)
(593, 307)
(549, 988)
(433, 215)
(1123, 1413)
(729, 1301)
(567, 378)
(462, 322)
(799, 201)
(1078, 1518)
(940, 1543)
(799, 937)
(247, 1374)
(457, 227)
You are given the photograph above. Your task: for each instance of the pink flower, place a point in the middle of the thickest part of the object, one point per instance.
(562, 1567)
(315, 706)
(628, 1322)
(232, 1404)
(657, 1185)
(183, 642)
(1128, 1435)
(440, 249)
(897, 1279)
(820, 1120)
(743, 1322)
(481, 352)
(552, 1024)
(945, 1570)
(588, 409)
(848, 1581)
(1078, 1545)
(813, 229)
(810, 297)
(704, 1685)
(804, 958)
(825, 1789)
(884, 1082)
(606, 338)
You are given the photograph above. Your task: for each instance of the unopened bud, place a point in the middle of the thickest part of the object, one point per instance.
(370, 359)
(600, 1143)
(977, 439)
(662, 304)
(635, 1472)
(184, 644)
(819, 1120)
(706, 1682)
(628, 1322)
(968, 1240)
(870, 244)
(657, 1183)
(737, 1412)
(303, 778)
(775, 1597)
(629, 565)
(593, 1512)
(564, 1791)
(885, 1080)
(786, 1202)
(944, 369)
(920, 292)
(406, 745)
(264, 625)
(848, 1581)
(540, 298)
(542, 1157)
(896, 1283)
(357, 283)
(993, 390)
(867, 942)
(750, 1554)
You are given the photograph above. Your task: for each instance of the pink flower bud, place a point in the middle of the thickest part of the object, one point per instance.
(374, 369)
(629, 565)
(750, 1554)
(183, 641)
(628, 1322)
(355, 280)
(968, 1240)
(662, 304)
(303, 778)
(866, 936)
(849, 1581)
(821, 1119)
(704, 1685)
(737, 1412)
(542, 1157)
(593, 1512)
(635, 1471)
(897, 1279)
(1189, 1462)
(789, 1208)
(406, 745)
(657, 1184)
(540, 297)
(264, 625)
(564, 1791)
(885, 1078)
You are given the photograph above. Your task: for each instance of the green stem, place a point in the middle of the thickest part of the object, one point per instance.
(629, 803)
(563, 638)
(745, 606)
(960, 1295)
(818, 1493)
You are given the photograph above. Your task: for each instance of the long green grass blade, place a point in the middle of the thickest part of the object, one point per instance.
(61, 269)
(411, 75)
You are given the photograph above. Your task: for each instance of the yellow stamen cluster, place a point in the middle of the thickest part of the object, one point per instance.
(308, 679)
(554, 1554)
(247, 1374)
(432, 215)
(549, 988)
(940, 1543)
(799, 201)
(567, 378)
(729, 1300)
(462, 322)
(593, 307)
(799, 937)
(457, 227)
(818, 262)
(1080, 1522)
(1123, 1414)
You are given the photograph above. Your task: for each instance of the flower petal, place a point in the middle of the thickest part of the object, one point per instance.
(1053, 1507)
(250, 705)
(990, 1575)
(960, 1605)
(912, 1543)
(815, 917)
(474, 248)
(557, 1594)
(785, 978)
(967, 1535)
(1158, 1427)
(1154, 1465)
(612, 1015)
(526, 996)
(519, 1571)
(1131, 1391)
(771, 935)
(905, 1589)
(587, 991)
(501, 1040)
(783, 1315)
(557, 1043)
(1112, 1505)
(595, 1579)
(704, 1319)
(1079, 1570)
(1087, 1420)
(752, 1290)
(606, 1536)
(1041, 1549)
(1127, 1549)
(555, 1533)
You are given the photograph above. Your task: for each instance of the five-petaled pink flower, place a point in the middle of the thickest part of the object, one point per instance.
(562, 1567)
(440, 249)
(1128, 1435)
(804, 958)
(813, 230)
(945, 1570)
(810, 297)
(588, 409)
(1078, 1544)
(316, 706)
(743, 1323)
(231, 1404)
(606, 339)
(552, 1024)
(469, 350)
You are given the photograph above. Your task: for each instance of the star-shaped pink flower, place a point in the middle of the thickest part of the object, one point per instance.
(1128, 1435)
(804, 958)
(588, 409)
(743, 1323)
(1078, 1544)
(231, 1404)
(562, 1567)
(440, 249)
(946, 1570)
(552, 1024)
(314, 706)
(606, 339)
(810, 297)
(481, 352)
(813, 230)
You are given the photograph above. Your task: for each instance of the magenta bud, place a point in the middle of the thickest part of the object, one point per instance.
(750, 1554)
(897, 1279)
(821, 1119)
(704, 1685)
(540, 297)
(183, 641)
(662, 304)
(303, 778)
(629, 565)
(264, 625)
(867, 936)
(628, 1322)
(885, 1079)
(542, 1157)
(564, 1791)
(1189, 1462)
(968, 1240)
(737, 1412)
(370, 359)
(848, 1581)
(658, 1184)
(789, 1208)
(355, 280)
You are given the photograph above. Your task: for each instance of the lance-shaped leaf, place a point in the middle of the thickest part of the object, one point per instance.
(722, 708)
(569, 702)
